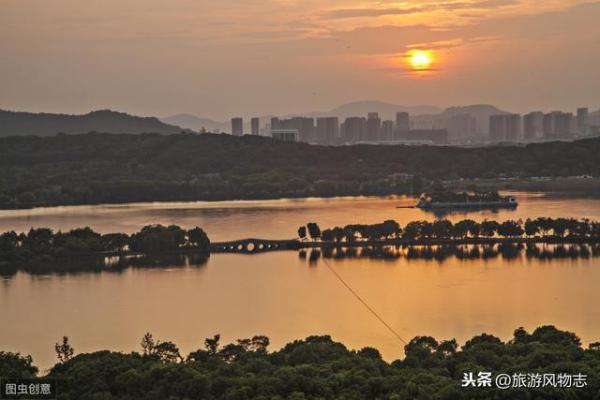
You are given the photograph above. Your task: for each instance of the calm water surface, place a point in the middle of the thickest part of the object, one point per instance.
(281, 295)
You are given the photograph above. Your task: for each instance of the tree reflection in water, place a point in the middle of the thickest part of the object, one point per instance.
(115, 264)
(508, 252)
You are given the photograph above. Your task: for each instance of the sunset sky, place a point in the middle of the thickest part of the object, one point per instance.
(216, 58)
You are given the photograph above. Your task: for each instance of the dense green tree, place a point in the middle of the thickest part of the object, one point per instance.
(319, 367)
(327, 235)
(412, 230)
(167, 352)
(442, 229)
(466, 227)
(64, 350)
(198, 238)
(114, 241)
(339, 234)
(258, 344)
(212, 344)
(302, 232)
(489, 228)
(313, 230)
(531, 227)
(510, 229)
(39, 240)
(158, 238)
(148, 344)
(14, 365)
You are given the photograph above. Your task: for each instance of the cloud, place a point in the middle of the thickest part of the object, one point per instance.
(346, 13)
(271, 55)
(368, 12)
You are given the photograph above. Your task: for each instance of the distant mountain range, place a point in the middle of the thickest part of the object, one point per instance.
(358, 108)
(385, 110)
(196, 123)
(423, 115)
(107, 121)
(23, 123)
(481, 113)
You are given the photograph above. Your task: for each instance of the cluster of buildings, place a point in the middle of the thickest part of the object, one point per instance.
(458, 128)
(538, 125)
(353, 130)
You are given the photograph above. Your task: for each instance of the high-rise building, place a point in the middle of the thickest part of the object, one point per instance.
(533, 125)
(549, 125)
(373, 126)
(275, 123)
(255, 126)
(583, 115)
(402, 121)
(328, 130)
(497, 128)
(557, 124)
(461, 127)
(387, 130)
(514, 127)
(566, 124)
(505, 127)
(354, 129)
(237, 126)
(304, 125)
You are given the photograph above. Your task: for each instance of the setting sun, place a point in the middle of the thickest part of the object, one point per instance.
(420, 59)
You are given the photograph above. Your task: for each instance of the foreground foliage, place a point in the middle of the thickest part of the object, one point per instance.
(319, 368)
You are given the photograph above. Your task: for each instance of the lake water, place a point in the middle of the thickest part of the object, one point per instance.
(284, 297)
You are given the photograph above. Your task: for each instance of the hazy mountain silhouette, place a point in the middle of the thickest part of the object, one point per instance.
(106, 121)
(362, 108)
(481, 113)
(196, 123)
(385, 110)
(425, 115)
(358, 108)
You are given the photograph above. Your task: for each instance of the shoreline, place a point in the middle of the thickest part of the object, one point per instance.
(577, 187)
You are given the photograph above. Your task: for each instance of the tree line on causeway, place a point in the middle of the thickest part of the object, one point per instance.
(556, 228)
(41, 250)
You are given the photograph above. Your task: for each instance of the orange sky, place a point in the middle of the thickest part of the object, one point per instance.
(218, 58)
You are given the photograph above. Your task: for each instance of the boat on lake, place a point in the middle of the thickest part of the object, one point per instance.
(449, 200)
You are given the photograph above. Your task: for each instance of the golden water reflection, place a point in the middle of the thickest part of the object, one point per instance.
(286, 297)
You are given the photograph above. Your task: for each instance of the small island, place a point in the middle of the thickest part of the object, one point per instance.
(42, 250)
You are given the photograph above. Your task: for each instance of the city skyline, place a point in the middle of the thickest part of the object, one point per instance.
(458, 129)
(281, 57)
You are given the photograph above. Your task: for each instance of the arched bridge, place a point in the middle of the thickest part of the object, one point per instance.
(252, 246)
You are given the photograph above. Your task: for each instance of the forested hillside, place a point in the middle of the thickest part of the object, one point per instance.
(44, 124)
(95, 168)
